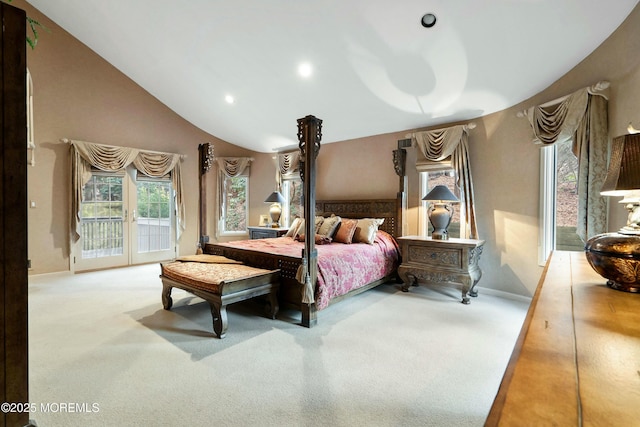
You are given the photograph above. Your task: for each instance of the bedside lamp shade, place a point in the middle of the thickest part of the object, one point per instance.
(275, 210)
(440, 212)
(616, 256)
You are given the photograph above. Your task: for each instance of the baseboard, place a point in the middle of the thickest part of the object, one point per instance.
(503, 294)
(52, 274)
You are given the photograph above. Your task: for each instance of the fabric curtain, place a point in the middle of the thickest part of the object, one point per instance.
(582, 118)
(436, 146)
(85, 155)
(288, 165)
(233, 166)
(229, 167)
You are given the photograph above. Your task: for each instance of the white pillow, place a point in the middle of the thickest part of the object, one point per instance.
(293, 229)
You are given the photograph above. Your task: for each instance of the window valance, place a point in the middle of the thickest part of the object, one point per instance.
(288, 167)
(233, 166)
(439, 144)
(85, 155)
(580, 117)
(558, 121)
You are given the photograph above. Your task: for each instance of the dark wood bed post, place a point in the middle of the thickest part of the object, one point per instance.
(399, 164)
(205, 159)
(309, 136)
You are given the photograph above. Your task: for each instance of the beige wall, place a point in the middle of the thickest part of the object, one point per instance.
(80, 96)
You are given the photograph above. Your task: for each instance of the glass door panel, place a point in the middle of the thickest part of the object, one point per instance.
(103, 239)
(153, 233)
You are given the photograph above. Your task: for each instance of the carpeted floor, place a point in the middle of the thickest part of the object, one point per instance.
(103, 352)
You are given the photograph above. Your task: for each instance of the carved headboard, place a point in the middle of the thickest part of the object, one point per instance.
(370, 208)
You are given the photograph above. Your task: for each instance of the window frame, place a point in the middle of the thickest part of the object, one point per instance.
(424, 169)
(286, 209)
(548, 201)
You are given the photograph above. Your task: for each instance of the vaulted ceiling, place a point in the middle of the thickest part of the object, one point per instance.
(232, 68)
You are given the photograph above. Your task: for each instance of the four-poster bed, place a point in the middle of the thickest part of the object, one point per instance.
(284, 254)
(310, 277)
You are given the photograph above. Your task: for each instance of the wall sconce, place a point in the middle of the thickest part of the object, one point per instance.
(441, 211)
(616, 256)
(275, 210)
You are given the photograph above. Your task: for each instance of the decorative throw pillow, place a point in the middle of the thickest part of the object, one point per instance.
(366, 230)
(318, 239)
(329, 226)
(345, 231)
(322, 240)
(294, 227)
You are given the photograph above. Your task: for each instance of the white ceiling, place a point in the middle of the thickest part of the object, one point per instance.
(375, 68)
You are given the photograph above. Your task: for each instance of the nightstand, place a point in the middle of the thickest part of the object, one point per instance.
(441, 261)
(266, 232)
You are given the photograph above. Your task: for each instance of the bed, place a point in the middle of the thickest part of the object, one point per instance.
(343, 270)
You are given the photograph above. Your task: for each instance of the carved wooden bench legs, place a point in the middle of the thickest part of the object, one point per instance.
(219, 303)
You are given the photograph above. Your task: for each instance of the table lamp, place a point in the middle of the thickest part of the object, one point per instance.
(275, 210)
(616, 256)
(440, 211)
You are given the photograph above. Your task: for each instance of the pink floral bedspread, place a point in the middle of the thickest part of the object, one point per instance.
(341, 267)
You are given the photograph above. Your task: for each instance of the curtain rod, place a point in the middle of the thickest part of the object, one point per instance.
(182, 156)
(598, 87)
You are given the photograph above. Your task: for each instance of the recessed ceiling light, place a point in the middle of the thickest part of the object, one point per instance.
(428, 20)
(305, 69)
(229, 99)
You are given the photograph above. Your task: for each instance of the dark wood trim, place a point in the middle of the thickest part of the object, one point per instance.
(205, 160)
(13, 216)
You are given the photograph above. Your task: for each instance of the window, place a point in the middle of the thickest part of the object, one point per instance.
(154, 214)
(559, 200)
(235, 204)
(438, 174)
(102, 216)
(292, 192)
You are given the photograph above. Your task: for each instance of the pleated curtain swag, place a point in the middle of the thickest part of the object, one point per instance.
(109, 158)
(582, 118)
(288, 164)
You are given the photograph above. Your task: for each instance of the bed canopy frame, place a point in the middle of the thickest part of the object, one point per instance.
(299, 275)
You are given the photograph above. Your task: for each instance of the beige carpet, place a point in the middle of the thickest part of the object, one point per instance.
(103, 352)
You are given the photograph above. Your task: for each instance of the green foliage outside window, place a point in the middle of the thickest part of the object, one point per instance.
(154, 199)
(235, 204)
(102, 197)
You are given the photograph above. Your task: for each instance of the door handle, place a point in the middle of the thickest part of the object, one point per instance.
(133, 215)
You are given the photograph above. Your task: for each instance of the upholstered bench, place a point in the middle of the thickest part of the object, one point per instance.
(219, 281)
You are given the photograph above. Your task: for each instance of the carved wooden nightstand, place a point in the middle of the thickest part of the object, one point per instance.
(441, 261)
(266, 232)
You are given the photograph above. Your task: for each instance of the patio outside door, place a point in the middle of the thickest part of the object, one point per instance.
(125, 221)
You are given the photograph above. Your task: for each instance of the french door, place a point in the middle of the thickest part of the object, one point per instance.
(125, 219)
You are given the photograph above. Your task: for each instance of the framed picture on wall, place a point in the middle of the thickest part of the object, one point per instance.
(264, 220)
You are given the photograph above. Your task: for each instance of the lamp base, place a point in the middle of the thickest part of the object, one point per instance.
(616, 257)
(440, 235)
(440, 217)
(275, 211)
